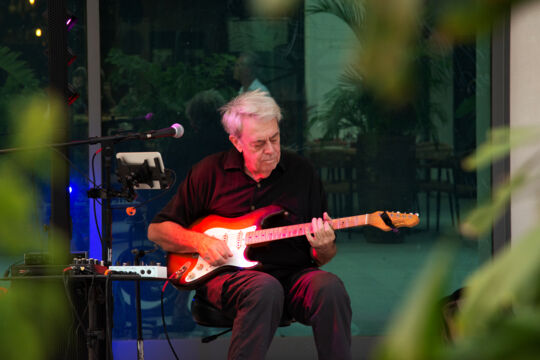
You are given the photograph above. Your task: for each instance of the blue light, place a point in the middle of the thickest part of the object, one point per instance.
(70, 189)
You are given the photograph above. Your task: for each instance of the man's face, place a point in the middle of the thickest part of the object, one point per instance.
(260, 147)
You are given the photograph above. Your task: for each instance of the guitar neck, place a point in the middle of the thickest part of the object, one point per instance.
(284, 232)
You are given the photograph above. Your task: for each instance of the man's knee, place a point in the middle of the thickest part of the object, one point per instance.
(264, 289)
(328, 286)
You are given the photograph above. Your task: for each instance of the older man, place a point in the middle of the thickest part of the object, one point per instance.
(254, 174)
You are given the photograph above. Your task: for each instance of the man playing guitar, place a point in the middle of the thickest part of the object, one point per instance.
(255, 174)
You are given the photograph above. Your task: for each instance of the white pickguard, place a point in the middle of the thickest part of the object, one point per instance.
(236, 241)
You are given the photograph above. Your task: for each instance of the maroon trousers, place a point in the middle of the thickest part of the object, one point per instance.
(257, 300)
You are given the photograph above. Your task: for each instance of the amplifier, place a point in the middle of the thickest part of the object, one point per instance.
(36, 270)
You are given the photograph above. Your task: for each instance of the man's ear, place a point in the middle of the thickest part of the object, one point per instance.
(236, 142)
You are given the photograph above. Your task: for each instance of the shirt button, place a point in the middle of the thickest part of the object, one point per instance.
(252, 207)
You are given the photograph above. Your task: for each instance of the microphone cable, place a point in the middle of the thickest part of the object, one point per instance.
(98, 230)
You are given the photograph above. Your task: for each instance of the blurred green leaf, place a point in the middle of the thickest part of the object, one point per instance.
(390, 46)
(463, 20)
(37, 124)
(273, 8)
(501, 140)
(500, 284)
(511, 337)
(416, 332)
(481, 219)
(32, 312)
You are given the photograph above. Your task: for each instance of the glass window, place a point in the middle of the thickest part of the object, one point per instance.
(175, 61)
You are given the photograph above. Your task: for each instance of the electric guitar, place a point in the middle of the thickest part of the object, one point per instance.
(190, 270)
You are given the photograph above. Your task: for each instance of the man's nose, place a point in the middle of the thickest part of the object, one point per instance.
(269, 147)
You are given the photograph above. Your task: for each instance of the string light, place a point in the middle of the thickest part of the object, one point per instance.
(32, 2)
(38, 32)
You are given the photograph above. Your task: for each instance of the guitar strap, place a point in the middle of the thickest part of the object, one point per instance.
(384, 216)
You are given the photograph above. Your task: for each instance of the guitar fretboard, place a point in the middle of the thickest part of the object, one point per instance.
(284, 232)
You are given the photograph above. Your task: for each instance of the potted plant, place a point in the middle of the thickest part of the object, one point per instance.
(384, 132)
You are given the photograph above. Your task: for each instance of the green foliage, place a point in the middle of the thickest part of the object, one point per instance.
(152, 86)
(501, 141)
(499, 314)
(416, 333)
(351, 12)
(32, 313)
(391, 46)
(20, 76)
(463, 20)
(510, 282)
(498, 317)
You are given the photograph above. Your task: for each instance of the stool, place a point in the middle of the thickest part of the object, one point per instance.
(206, 314)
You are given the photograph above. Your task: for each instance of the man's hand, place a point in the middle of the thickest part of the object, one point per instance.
(213, 251)
(323, 234)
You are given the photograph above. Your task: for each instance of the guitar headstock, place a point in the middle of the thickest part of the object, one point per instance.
(380, 219)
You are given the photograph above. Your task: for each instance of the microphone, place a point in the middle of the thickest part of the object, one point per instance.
(175, 131)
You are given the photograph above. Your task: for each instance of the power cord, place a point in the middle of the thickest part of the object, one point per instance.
(163, 317)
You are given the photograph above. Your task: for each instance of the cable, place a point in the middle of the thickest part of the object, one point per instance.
(94, 173)
(96, 221)
(72, 165)
(163, 318)
(108, 320)
(70, 300)
(95, 200)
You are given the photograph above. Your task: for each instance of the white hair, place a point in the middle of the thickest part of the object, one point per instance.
(257, 105)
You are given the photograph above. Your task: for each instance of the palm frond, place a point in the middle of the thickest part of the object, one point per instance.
(18, 71)
(350, 11)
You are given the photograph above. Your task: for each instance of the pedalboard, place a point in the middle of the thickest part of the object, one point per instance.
(88, 266)
(145, 271)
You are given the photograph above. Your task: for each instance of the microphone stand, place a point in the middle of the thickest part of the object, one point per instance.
(106, 193)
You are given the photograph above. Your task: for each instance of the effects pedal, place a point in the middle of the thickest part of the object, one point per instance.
(146, 271)
(88, 266)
